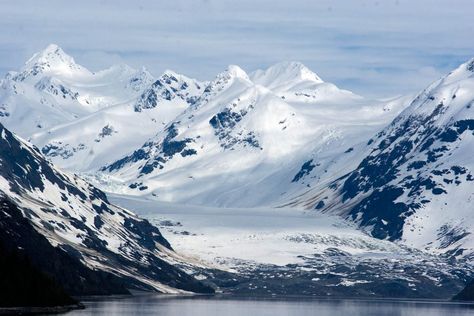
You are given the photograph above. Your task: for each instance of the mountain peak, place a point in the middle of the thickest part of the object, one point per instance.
(52, 54)
(236, 72)
(53, 48)
(464, 71)
(169, 72)
(283, 74)
(226, 77)
(54, 59)
(296, 69)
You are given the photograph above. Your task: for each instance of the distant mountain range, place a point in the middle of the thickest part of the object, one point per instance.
(401, 169)
(183, 140)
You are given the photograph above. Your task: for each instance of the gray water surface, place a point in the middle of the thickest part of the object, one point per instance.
(202, 305)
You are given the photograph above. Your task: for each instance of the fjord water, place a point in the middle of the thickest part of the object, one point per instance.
(202, 305)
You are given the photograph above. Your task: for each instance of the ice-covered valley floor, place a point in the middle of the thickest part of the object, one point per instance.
(276, 250)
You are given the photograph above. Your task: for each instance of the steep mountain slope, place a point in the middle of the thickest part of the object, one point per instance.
(22, 284)
(110, 133)
(96, 247)
(65, 272)
(467, 294)
(415, 184)
(244, 139)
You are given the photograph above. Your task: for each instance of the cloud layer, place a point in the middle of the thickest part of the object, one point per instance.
(375, 48)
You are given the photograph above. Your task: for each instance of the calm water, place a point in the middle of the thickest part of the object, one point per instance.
(200, 306)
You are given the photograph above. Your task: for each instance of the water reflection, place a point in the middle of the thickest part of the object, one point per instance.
(200, 306)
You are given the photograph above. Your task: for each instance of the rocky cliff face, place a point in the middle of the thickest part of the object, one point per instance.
(70, 231)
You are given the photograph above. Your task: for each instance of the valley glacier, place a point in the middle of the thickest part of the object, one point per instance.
(275, 175)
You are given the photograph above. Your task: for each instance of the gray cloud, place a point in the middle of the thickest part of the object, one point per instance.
(376, 48)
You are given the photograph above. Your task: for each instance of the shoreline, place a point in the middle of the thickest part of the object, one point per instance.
(295, 297)
(35, 310)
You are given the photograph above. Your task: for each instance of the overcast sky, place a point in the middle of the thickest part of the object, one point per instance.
(374, 48)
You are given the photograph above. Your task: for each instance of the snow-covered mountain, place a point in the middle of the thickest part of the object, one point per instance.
(280, 136)
(241, 138)
(293, 81)
(51, 89)
(416, 181)
(168, 87)
(99, 248)
(178, 139)
(276, 138)
(110, 133)
(44, 208)
(52, 98)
